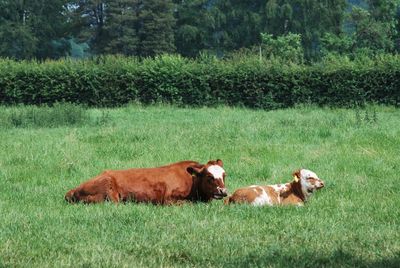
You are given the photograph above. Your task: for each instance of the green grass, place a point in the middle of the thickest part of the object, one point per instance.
(353, 221)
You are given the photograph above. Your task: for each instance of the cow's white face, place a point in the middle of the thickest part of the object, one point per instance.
(217, 171)
(218, 181)
(212, 180)
(309, 181)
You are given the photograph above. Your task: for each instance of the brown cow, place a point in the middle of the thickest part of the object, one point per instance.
(186, 180)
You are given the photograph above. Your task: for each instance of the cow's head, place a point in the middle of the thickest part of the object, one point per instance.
(308, 180)
(210, 179)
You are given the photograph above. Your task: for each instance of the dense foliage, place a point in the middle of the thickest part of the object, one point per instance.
(33, 29)
(53, 29)
(250, 82)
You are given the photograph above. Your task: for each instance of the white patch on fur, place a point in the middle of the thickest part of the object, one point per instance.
(279, 187)
(305, 174)
(262, 199)
(216, 171)
(305, 185)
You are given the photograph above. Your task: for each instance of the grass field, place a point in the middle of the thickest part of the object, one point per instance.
(354, 221)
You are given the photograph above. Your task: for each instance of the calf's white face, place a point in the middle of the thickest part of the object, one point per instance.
(309, 181)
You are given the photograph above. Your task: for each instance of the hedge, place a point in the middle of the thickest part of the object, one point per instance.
(114, 81)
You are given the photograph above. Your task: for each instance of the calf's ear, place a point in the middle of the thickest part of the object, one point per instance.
(220, 163)
(296, 175)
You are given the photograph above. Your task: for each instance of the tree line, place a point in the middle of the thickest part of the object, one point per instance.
(298, 30)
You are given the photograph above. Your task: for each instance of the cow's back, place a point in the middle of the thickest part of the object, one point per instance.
(157, 185)
(154, 184)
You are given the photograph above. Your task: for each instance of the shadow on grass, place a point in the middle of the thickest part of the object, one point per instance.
(337, 259)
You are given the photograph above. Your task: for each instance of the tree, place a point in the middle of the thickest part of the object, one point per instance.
(129, 27)
(370, 33)
(156, 27)
(17, 41)
(371, 29)
(33, 28)
(245, 20)
(285, 47)
(87, 22)
(312, 19)
(195, 25)
(376, 25)
(278, 16)
(337, 44)
(121, 28)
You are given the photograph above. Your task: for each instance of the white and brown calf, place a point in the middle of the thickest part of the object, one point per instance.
(297, 192)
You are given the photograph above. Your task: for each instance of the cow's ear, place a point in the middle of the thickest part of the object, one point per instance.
(296, 175)
(220, 163)
(195, 170)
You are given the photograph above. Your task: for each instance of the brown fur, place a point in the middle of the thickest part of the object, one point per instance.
(243, 195)
(186, 180)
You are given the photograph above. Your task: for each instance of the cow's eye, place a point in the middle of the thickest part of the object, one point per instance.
(210, 179)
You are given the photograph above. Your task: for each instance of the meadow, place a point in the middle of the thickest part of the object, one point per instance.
(353, 221)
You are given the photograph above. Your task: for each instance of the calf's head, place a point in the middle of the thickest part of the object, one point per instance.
(308, 180)
(210, 179)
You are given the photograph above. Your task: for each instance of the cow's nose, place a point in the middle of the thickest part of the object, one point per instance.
(223, 191)
(321, 183)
